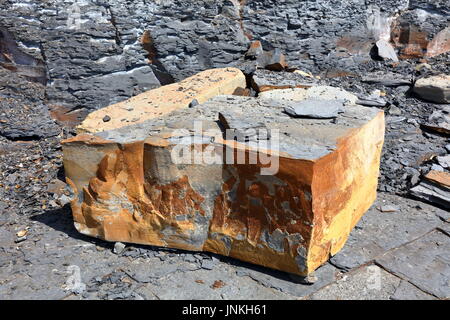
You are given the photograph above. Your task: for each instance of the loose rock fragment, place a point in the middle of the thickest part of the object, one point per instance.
(320, 109)
(314, 93)
(373, 100)
(387, 79)
(275, 60)
(434, 188)
(264, 80)
(160, 101)
(439, 121)
(435, 88)
(255, 50)
(386, 51)
(241, 128)
(388, 208)
(119, 247)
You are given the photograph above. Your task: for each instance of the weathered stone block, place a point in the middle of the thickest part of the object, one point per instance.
(160, 101)
(435, 88)
(129, 187)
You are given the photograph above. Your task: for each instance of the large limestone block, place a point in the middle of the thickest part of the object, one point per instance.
(289, 208)
(157, 102)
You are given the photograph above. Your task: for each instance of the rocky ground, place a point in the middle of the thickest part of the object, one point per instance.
(399, 250)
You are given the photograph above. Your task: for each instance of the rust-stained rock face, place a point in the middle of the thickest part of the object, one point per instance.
(160, 101)
(285, 197)
(420, 34)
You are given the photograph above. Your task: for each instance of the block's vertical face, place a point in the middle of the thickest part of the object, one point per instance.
(181, 196)
(344, 187)
(110, 199)
(264, 219)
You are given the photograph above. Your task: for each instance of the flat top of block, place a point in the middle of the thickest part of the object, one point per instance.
(299, 138)
(157, 102)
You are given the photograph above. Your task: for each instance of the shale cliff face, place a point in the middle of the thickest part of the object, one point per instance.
(121, 48)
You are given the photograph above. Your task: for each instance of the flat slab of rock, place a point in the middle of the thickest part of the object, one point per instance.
(366, 283)
(434, 188)
(315, 93)
(423, 262)
(387, 79)
(319, 109)
(169, 181)
(264, 80)
(434, 89)
(378, 232)
(157, 102)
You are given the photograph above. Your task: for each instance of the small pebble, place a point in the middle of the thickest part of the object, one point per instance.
(119, 247)
(388, 208)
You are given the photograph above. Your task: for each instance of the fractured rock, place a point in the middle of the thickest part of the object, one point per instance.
(289, 203)
(313, 93)
(386, 51)
(275, 60)
(434, 188)
(165, 99)
(386, 79)
(435, 88)
(255, 50)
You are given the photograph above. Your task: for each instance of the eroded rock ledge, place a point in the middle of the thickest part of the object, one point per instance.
(128, 187)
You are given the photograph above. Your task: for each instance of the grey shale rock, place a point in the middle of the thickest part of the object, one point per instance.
(435, 88)
(376, 233)
(406, 291)
(423, 262)
(320, 109)
(386, 51)
(119, 248)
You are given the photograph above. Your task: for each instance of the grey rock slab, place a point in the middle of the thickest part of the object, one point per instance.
(444, 161)
(435, 88)
(439, 121)
(220, 283)
(386, 51)
(208, 264)
(366, 283)
(148, 270)
(283, 282)
(424, 262)
(432, 192)
(387, 79)
(406, 291)
(241, 127)
(265, 79)
(378, 232)
(320, 109)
